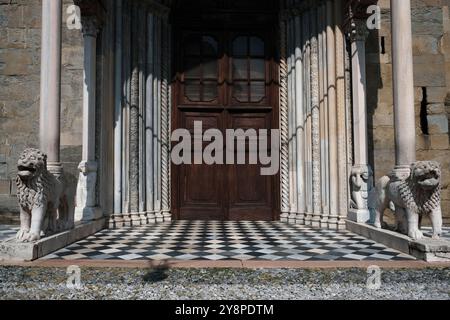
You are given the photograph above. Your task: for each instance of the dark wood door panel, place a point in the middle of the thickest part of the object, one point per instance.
(242, 94)
(250, 193)
(201, 186)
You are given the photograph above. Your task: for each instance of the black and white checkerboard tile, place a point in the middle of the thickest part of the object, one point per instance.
(199, 240)
(7, 232)
(427, 231)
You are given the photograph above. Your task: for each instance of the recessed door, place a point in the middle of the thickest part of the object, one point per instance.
(225, 80)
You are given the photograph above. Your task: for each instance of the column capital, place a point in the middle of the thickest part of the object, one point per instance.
(358, 30)
(90, 26)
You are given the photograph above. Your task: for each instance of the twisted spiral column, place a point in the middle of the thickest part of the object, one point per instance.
(134, 122)
(284, 122)
(165, 165)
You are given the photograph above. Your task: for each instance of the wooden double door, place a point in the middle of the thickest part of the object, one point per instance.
(225, 80)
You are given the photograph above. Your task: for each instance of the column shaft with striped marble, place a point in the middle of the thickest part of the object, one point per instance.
(317, 190)
(142, 114)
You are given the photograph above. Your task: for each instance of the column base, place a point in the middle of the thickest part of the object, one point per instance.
(292, 218)
(56, 169)
(359, 215)
(167, 216)
(400, 172)
(284, 217)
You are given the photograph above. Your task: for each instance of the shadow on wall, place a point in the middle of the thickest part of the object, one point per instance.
(381, 154)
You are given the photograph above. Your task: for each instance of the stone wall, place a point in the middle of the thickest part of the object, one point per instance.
(431, 49)
(20, 41)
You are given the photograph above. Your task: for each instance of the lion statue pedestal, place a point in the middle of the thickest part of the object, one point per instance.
(413, 196)
(43, 202)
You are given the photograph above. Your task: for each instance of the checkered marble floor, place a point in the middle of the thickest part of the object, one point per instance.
(199, 240)
(427, 231)
(7, 231)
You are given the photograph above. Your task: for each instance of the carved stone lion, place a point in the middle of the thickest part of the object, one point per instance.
(43, 203)
(412, 197)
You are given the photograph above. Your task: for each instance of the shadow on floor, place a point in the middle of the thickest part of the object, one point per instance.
(157, 272)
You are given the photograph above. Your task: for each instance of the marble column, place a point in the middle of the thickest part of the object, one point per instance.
(300, 122)
(332, 118)
(50, 103)
(341, 114)
(165, 120)
(86, 204)
(292, 119)
(306, 35)
(324, 159)
(118, 112)
(315, 121)
(284, 120)
(403, 86)
(361, 172)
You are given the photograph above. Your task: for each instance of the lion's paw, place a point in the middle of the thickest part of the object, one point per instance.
(33, 237)
(22, 235)
(436, 235)
(416, 234)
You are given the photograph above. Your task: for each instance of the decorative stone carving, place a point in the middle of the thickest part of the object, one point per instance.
(42, 199)
(86, 199)
(284, 121)
(317, 197)
(90, 26)
(412, 197)
(358, 30)
(361, 183)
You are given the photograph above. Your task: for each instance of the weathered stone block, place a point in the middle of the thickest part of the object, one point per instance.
(426, 44)
(436, 94)
(3, 169)
(436, 108)
(439, 142)
(427, 20)
(423, 142)
(438, 124)
(14, 62)
(429, 71)
(5, 187)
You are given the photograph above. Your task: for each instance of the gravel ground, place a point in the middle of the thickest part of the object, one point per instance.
(187, 284)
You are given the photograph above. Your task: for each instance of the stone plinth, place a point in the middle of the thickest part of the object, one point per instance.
(11, 250)
(427, 249)
(359, 215)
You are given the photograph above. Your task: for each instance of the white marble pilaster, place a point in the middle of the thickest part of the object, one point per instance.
(118, 112)
(86, 207)
(292, 119)
(341, 115)
(332, 117)
(50, 102)
(300, 122)
(360, 185)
